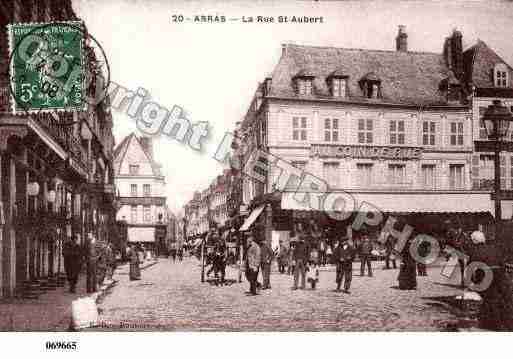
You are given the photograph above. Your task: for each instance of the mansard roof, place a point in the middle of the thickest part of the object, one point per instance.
(406, 77)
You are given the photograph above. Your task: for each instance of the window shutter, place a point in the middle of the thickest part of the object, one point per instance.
(474, 172)
(511, 164)
(503, 171)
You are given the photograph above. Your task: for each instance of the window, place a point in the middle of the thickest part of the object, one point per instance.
(304, 86)
(133, 169)
(133, 214)
(133, 190)
(501, 75)
(146, 190)
(396, 174)
(482, 129)
(338, 87)
(263, 133)
(299, 128)
(331, 174)
(485, 172)
(428, 178)
(428, 133)
(456, 177)
(364, 174)
(147, 213)
(331, 130)
(365, 131)
(396, 132)
(456, 133)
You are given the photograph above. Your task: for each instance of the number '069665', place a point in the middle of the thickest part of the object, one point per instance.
(61, 346)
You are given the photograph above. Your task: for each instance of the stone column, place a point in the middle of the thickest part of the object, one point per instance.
(2, 226)
(10, 238)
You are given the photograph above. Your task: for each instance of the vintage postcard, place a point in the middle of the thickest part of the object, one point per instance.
(255, 166)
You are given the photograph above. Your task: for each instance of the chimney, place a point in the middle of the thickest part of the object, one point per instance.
(283, 49)
(147, 145)
(401, 41)
(457, 53)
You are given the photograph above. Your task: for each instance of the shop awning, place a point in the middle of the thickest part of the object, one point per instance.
(141, 234)
(456, 202)
(251, 218)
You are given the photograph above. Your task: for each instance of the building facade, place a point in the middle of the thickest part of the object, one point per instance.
(399, 130)
(56, 170)
(210, 206)
(141, 189)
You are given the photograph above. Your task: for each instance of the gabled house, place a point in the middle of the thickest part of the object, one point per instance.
(141, 188)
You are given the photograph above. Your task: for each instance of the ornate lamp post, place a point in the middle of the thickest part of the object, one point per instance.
(497, 119)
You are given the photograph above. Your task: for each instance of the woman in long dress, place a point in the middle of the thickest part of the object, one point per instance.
(135, 270)
(408, 270)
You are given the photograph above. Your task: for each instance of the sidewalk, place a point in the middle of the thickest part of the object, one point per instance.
(52, 310)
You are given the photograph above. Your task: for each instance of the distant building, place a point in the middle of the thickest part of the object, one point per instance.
(141, 189)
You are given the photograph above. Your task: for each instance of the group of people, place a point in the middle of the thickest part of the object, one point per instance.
(99, 259)
(309, 249)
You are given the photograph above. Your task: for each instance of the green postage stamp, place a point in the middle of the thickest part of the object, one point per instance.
(47, 67)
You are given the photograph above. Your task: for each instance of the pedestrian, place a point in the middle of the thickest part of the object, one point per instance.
(180, 253)
(343, 257)
(290, 259)
(300, 259)
(135, 270)
(73, 259)
(111, 261)
(101, 266)
(456, 242)
(91, 258)
(329, 253)
(252, 264)
(283, 256)
(423, 250)
(407, 271)
(267, 256)
(389, 251)
(173, 251)
(365, 255)
(495, 287)
(219, 261)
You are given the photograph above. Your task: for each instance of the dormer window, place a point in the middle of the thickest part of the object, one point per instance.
(337, 83)
(371, 86)
(304, 83)
(500, 75)
(338, 87)
(304, 86)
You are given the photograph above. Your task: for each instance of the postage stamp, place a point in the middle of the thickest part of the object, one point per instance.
(47, 67)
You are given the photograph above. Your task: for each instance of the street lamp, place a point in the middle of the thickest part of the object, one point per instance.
(497, 119)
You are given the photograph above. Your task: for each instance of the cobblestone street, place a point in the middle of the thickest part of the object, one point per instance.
(170, 296)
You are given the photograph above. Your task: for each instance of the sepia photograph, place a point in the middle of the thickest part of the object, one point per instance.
(295, 167)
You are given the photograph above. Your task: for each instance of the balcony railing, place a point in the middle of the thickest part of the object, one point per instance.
(4, 99)
(53, 126)
(78, 153)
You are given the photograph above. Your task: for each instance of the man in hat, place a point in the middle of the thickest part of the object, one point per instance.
(365, 255)
(343, 257)
(266, 260)
(299, 259)
(253, 257)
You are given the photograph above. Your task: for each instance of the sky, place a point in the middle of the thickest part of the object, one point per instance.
(212, 70)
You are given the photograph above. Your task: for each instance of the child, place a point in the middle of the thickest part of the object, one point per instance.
(312, 274)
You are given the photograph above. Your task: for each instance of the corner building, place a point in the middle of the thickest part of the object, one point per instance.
(397, 129)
